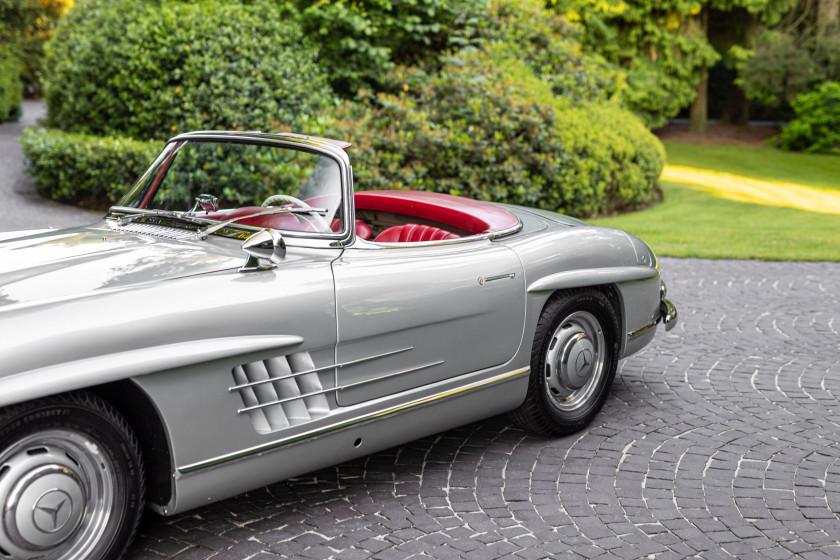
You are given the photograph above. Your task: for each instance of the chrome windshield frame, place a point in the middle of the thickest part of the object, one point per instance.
(293, 142)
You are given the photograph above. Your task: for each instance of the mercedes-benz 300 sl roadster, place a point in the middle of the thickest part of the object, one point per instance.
(243, 316)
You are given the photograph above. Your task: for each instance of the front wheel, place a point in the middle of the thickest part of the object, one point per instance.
(71, 480)
(573, 362)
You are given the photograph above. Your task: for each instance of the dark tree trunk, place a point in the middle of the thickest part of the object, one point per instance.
(700, 105)
(828, 16)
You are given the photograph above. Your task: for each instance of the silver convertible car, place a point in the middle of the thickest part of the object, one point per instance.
(243, 316)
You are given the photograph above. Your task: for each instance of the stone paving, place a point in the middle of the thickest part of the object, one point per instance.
(720, 440)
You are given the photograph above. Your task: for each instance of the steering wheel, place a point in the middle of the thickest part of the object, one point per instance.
(321, 223)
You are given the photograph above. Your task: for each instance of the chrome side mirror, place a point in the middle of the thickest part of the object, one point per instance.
(265, 245)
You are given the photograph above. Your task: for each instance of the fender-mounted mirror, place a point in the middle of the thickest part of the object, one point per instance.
(265, 245)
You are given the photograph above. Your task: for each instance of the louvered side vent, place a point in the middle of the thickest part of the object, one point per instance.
(282, 391)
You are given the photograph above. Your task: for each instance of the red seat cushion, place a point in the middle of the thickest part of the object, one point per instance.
(410, 233)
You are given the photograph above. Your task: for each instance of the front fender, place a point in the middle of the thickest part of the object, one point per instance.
(68, 376)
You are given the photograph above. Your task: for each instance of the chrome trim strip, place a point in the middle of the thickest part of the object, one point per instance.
(316, 370)
(186, 469)
(642, 330)
(331, 389)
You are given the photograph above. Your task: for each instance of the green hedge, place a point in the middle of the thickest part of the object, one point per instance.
(816, 127)
(11, 88)
(89, 170)
(485, 127)
(154, 69)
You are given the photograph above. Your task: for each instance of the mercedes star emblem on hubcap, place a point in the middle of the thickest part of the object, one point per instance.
(52, 511)
(583, 362)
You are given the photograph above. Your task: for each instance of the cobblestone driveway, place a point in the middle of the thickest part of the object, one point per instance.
(722, 440)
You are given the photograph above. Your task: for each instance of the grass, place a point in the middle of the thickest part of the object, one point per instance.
(699, 221)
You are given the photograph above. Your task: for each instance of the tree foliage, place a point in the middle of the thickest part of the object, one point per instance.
(789, 58)
(665, 45)
(361, 40)
(550, 45)
(816, 127)
(660, 44)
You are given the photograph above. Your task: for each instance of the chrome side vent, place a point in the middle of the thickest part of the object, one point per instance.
(282, 391)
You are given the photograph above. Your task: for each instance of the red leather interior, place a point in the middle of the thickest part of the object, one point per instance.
(409, 233)
(363, 230)
(465, 214)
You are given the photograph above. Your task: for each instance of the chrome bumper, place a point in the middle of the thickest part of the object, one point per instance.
(667, 310)
(668, 314)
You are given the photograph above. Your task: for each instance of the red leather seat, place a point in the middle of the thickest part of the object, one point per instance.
(410, 233)
(363, 231)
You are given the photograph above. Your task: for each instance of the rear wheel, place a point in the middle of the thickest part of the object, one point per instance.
(573, 362)
(71, 480)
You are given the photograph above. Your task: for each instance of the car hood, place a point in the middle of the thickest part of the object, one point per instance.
(66, 263)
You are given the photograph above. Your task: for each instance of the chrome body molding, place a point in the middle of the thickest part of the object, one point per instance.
(192, 468)
(642, 330)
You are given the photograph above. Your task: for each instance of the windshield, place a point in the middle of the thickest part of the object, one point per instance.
(225, 180)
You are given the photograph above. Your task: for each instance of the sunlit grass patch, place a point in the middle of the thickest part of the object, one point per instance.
(701, 217)
(756, 191)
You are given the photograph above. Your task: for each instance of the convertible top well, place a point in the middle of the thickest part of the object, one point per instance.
(474, 216)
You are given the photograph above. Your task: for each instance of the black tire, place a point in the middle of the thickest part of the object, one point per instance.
(71, 480)
(564, 398)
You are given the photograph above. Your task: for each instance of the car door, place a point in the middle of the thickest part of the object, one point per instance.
(414, 315)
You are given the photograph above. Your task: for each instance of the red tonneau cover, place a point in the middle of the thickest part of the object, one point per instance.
(463, 213)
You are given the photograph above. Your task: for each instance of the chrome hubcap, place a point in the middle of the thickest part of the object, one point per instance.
(55, 492)
(574, 362)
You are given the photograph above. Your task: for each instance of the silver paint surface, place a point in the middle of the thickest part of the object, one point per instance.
(84, 306)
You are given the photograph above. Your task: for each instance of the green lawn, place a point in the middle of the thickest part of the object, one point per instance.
(693, 223)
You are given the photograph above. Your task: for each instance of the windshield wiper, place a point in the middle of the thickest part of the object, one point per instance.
(169, 214)
(205, 231)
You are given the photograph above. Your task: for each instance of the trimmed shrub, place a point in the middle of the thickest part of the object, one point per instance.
(151, 70)
(816, 127)
(88, 170)
(11, 89)
(485, 127)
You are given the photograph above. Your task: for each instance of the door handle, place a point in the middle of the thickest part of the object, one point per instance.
(482, 280)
